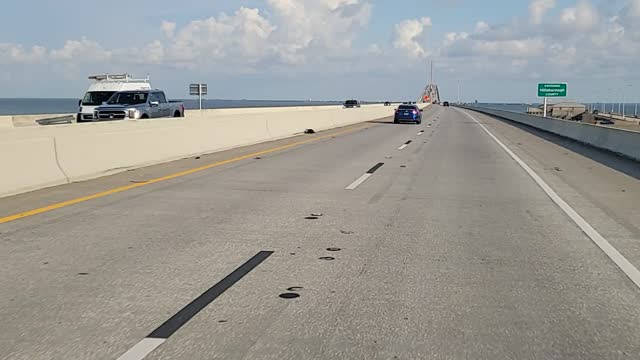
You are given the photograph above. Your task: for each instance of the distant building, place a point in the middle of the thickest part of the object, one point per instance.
(562, 110)
(534, 111)
(567, 110)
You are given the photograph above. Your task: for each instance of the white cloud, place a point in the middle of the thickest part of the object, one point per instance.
(407, 36)
(315, 28)
(306, 35)
(510, 48)
(538, 9)
(169, 28)
(16, 54)
(84, 50)
(581, 17)
(577, 40)
(482, 26)
(294, 33)
(237, 38)
(290, 32)
(152, 54)
(451, 38)
(629, 18)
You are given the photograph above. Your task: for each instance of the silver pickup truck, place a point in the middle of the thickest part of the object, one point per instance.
(138, 104)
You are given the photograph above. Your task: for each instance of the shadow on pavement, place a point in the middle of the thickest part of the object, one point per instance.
(607, 158)
(390, 123)
(382, 121)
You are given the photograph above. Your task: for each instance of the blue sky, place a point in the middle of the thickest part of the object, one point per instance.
(324, 49)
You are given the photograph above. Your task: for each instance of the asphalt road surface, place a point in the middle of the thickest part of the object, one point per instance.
(339, 245)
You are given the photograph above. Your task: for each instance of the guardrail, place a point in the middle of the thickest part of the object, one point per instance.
(619, 141)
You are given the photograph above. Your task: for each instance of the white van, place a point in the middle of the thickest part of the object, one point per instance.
(101, 90)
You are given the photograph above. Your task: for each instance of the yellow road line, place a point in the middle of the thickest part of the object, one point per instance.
(165, 178)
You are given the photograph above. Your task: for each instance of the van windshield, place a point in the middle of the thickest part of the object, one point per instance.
(95, 98)
(128, 98)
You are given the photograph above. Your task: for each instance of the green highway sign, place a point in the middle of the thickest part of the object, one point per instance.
(552, 90)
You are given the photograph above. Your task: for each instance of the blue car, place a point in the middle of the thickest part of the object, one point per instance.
(408, 113)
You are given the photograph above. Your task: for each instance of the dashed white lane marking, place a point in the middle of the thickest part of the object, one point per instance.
(404, 146)
(358, 182)
(592, 233)
(140, 350)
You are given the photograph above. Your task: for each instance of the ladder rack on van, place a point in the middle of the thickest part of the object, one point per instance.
(117, 78)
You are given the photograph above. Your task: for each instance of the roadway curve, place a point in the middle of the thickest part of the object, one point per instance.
(449, 250)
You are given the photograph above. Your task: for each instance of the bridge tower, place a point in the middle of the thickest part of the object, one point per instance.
(431, 94)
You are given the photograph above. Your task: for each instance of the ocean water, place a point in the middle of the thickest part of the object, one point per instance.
(629, 109)
(64, 106)
(521, 108)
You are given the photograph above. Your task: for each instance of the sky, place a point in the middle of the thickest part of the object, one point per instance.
(496, 50)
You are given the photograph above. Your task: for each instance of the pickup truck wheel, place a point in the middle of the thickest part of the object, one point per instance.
(144, 116)
(177, 114)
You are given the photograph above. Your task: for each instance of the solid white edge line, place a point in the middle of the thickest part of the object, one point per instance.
(140, 350)
(404, 146)
(358, 182)
(603, 244)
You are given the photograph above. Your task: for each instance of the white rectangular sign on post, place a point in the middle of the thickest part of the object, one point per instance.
(198, 90)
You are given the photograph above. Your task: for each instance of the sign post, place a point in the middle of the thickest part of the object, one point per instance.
(198, 90)
(551, 90)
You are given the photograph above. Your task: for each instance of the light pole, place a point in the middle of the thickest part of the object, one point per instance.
(458, 91)
(624, 100)
(613, 100)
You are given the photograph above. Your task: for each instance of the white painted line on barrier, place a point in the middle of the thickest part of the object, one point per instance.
(592, 233)
(140, 350)
(404, 146)
(358, 182)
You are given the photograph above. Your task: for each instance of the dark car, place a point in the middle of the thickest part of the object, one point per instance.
(446, 103)
(387, 103)
(408, 113)
(351, 104)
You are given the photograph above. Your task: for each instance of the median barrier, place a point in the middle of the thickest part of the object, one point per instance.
(6, 122)
(29, 164)
(41, 156)
(11, 121)
(620, 141)
(296, 122)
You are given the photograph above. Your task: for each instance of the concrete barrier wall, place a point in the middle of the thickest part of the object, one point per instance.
(40, 156)
(620, 141)
(28, 164)
(28, 120)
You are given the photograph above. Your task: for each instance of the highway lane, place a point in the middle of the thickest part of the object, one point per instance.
(604, 188)
(448, 250)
